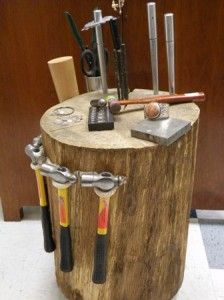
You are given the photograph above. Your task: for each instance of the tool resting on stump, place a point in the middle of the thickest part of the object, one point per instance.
(62, 180)
(36, 153)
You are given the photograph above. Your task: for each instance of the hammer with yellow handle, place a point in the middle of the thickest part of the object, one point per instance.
(36, 152)
(62, 179)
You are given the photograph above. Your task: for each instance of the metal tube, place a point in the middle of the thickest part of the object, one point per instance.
(151, 10)
(169, 34)
(100, 48)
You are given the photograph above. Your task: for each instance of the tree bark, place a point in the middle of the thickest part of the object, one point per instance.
(148, 216)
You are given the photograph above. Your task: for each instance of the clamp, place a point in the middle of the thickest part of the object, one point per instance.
(105, 185)
(62, 179)
(36, 153)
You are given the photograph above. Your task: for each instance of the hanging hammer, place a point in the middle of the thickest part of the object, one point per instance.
(36, 153)
(62, 179)
(105, 185)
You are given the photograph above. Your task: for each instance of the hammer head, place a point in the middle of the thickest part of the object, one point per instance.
(57, 173)
(37, 141)
(104, 181)
(36, 154)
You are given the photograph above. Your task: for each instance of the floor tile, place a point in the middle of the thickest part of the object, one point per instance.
(213, 237)
(197, 283)
(218, 281)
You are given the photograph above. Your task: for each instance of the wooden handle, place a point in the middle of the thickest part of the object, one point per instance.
(64, 77)
(115, 105)
(171, 99)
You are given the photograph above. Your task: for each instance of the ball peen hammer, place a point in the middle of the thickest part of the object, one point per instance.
(105, 185)
(62, 179)
(36, 152)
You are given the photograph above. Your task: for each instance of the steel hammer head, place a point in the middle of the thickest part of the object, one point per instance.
(36, 154)
(37, 141)
(57, 173)
(104, 181)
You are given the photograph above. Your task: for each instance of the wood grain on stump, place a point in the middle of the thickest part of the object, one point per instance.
(148, 221)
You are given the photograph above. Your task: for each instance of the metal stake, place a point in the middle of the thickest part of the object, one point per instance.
(169, 34)
(100, 48)
(151, 10)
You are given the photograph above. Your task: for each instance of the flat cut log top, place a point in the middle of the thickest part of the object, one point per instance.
(77, 134)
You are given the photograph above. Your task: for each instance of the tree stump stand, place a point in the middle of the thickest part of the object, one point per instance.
(149, 215)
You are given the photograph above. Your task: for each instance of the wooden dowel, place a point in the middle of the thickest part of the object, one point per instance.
(64, 77)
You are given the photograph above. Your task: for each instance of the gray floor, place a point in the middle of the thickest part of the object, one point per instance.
(212, 230)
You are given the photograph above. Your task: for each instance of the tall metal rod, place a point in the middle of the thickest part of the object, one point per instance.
(100, 48)
(169, 35)
(151, 10)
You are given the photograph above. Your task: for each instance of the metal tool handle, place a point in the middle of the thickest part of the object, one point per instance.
(99, 271)
(49, 245)
(169, 34)
(124, 72)
(151, 10)
(74, 30)
(100, 48)
(116, 37)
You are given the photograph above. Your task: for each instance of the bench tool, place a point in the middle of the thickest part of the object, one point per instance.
(62, 179)
(154, 110)
(151, 12)
(115, 105)
(167, 131)
(36, 153)
(120, 60)
(105, 185)
(97, 24)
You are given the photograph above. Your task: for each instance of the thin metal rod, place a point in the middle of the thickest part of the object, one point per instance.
(169, 35)
(100, 48)
(151, 10)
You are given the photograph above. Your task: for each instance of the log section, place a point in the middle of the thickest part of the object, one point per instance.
(148, 222)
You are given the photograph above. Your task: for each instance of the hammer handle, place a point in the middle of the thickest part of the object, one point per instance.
(49, 245)
(66, 263)
(100, 257)
(99, 271)
(171, 99)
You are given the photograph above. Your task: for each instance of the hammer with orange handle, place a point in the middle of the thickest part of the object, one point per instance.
(105, 185)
